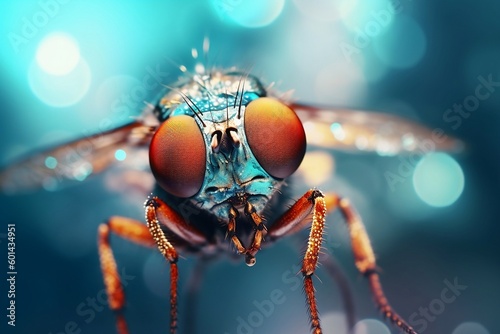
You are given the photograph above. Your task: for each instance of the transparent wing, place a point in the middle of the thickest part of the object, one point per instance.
(77, 160)
(356, 130)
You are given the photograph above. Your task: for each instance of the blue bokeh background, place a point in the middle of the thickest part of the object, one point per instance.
(415, 60)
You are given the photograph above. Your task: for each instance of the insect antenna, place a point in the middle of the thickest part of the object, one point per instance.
(237, 92)
(244, 79)
(190, 104)
(241, 98)
(227, 110)
(206, 90)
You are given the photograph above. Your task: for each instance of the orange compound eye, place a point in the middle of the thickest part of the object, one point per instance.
(275, 135)
(177, 156)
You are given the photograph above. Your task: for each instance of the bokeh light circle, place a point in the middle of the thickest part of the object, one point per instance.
(403, 45)
(371, 326)
(50, 162)
(470, 328)
(317, 167)
(249, 14)
(335, 320)
(58, 54)
(438, 179)
(60, 90)
(120, 155)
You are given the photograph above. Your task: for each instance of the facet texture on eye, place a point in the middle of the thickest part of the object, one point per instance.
(177, 156)
(275, 135)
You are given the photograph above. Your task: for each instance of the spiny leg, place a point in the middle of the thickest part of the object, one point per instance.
(170, 254)
(176, 223)
(311, 256)
(137, 232)
(129, 229)
(365, 262)
(183, 233)
(314, 201)
(331, 266)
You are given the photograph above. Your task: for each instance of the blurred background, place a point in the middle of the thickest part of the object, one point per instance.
(71, 67)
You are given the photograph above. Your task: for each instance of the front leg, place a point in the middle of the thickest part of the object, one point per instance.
(158, 212)
(296, 217)
(170, 254)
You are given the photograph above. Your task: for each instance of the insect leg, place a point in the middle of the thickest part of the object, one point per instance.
(175, 222)
(330, 265)
(129, 229)
(231, 231)
(260, 232)
(327, 260)
(170, 254)
(158, 212)
(314, 201)
(365, 262)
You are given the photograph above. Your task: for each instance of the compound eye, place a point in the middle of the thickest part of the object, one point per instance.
(177, 156)
(275, 135)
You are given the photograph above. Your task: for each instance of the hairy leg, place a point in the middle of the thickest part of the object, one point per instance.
(366, 264)
(311, 202)
(128, 229)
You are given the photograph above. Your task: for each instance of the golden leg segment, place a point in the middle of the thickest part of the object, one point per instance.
(170, 254)
(128, 229)
(365, 262)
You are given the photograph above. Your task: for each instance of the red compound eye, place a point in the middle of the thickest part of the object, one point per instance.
(177, 156)
(275, 135)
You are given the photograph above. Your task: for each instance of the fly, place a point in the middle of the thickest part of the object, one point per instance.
(221, 147)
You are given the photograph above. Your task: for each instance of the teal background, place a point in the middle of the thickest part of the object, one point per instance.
(417, 73)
